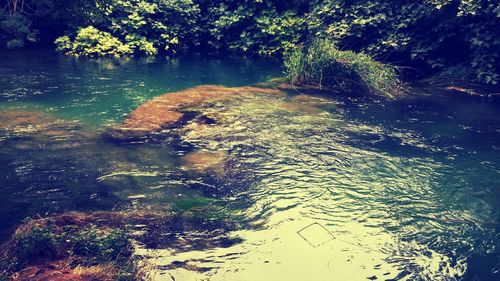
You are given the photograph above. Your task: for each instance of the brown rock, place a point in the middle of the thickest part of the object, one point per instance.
(202, 161)
(307, 99)
(301, 107)
(24, 121)
(60, 271)
(166, 110)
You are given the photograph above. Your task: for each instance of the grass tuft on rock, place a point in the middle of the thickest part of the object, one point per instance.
(48, 249)
(324, 66)
(101, 246)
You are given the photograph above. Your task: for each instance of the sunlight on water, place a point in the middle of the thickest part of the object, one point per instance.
(383, 209)
(292, 187)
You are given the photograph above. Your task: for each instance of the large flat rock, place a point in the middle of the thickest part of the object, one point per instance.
(169, 109)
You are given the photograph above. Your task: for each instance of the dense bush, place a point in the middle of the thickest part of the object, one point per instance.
(323, 65)
(152, 26)
(437, 33)
(26, 22)
(259, 27)
(159, 26)
(430, 35)
(91, 42)
(15, 30)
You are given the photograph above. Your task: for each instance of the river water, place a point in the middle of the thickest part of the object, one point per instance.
(312, 188)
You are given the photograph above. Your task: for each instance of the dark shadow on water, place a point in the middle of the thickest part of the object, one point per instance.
(483, 267)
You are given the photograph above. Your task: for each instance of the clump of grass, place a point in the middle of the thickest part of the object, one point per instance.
(38, 241)
(99, 246)
(98, 272)
(323, 65)
(78, 250)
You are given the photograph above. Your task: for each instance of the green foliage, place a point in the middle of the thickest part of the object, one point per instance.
(39, 241)
(436, 33)
(101, 247)
(322, 64)
(429, 35)
(95, 245)
(275, 34)
(91, 42)
(265, 28)
(25, 22)
(15, 30)
(138, 26)
(154, 25)
(160, 26)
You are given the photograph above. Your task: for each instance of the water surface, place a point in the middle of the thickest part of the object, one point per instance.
(323, 188)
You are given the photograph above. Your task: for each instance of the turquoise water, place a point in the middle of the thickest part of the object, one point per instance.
(321, 188)
(104, 91)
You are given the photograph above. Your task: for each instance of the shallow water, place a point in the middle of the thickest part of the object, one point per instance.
(324, 188)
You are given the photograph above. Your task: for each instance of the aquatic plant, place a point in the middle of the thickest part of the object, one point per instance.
(323, 65)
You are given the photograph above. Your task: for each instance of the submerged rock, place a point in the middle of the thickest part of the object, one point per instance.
(169, 109)
(311, 100)
(203, 161)
(215, 122)
(41, 127)
(25, 121)
(300, 107)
